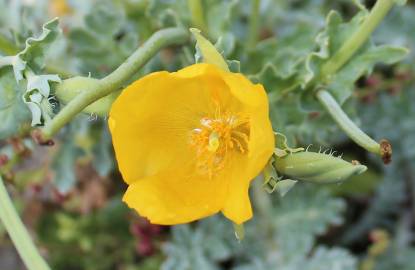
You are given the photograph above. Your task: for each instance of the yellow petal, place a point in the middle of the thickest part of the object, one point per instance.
(209, 52)
(244, 168)
(245, 91)
(177, 196)
(261, 144)
(237, 206)
(255, 104)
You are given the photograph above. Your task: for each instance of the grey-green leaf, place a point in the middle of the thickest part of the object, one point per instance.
(13, 112)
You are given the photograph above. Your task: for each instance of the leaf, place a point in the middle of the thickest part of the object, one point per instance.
(64, 167)
(105, 18)
(303, 213)
(281, 148)
(67, 155)
(103, 161)
(13, 112)
(330, 40)
(16, 62)
(41, 83)
(168, 13)
(329, 259)
(289, 244)
(220, 16)
(234, 66)
(33, 102)
(226, 44)
(30, 61)
(342, 83)
(105, 40)
(33, 54)
(200, 247)
(284, 186)
(270, 176)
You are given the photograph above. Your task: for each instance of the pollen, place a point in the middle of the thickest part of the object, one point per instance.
(217, 139)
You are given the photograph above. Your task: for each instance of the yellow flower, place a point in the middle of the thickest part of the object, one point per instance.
(188, 143)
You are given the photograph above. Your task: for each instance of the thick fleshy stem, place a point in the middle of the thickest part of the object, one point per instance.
(18, 233)
(384, 149)
(357, 39)
(115, 80)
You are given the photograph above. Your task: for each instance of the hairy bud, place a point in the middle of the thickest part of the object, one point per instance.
(317, 167)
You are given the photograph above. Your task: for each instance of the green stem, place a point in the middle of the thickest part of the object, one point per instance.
(357, 39)
(7, 47)
(116, 79)
(198, 18)
(347, 125)
(253, 25)
(18, 233)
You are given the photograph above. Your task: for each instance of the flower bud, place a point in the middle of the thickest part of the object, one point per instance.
(317, 167)
(70, 88)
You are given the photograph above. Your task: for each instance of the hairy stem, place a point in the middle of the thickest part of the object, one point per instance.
(357, 39)
(18, 233)
(116, 79)
(253, 25)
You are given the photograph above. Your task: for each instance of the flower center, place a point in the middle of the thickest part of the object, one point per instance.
(216, 138)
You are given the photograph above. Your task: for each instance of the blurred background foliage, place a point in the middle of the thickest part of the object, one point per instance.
(70, 195)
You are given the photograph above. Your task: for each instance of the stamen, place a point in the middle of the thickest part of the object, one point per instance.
(216, 138)
(241, 135)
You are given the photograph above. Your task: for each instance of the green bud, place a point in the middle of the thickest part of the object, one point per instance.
(317, 167)
(70, 88)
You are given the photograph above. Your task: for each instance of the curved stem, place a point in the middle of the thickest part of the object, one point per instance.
(253, 25)
(18, 233)
(198, 18)
(115, 80)
(347, 125)
(357, 39)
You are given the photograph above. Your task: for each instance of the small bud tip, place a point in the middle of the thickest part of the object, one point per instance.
(385, 151)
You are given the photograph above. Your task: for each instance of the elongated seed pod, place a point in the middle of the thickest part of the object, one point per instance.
(317, 167)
